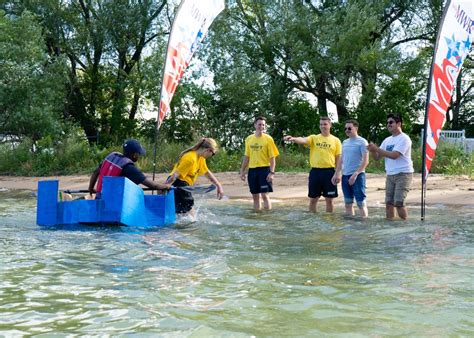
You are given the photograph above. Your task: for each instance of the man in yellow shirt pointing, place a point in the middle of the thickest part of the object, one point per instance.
(325, 160)
(260, 154)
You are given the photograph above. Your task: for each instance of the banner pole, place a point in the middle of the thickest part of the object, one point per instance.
(158, 118)
(424, 172)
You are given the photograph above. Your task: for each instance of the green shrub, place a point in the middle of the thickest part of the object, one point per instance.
(450, 159)
(225, 161)
(73, 155)
(293, 160)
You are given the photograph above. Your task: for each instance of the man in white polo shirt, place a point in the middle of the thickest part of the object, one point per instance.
(396, 150)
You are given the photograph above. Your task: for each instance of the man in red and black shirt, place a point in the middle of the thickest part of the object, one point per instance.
(117, 164)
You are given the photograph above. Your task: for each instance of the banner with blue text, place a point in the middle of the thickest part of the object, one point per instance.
(452, 47)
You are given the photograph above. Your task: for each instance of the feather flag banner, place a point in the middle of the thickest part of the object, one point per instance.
(453, 45)
(190, 26)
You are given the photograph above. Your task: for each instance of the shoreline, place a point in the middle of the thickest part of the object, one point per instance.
(441, 189)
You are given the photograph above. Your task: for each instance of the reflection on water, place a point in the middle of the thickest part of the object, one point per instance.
(235, 272)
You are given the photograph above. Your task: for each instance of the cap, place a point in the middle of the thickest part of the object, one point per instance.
(133, 146)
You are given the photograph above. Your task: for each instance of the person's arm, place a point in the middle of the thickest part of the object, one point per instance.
(379, 152)
(243, 167)
(271, 174)
(297, 140)
(172, 178)
(363, 165)
(337, 174)
(136, 176)
(373, 150)
(155, 185)
(93, 180)
(215, 181)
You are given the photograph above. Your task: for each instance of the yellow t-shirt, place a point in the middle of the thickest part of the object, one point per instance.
(190, 166)
(260, 150)
(323, 150)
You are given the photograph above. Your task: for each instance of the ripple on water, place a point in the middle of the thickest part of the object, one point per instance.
(233, 271)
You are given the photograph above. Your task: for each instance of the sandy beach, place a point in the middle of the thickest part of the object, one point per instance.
(441, 189)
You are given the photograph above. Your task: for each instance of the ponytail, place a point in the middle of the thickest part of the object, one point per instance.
(205, 142)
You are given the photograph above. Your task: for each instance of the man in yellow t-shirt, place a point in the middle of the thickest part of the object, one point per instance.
(325, 159)
(260, 154)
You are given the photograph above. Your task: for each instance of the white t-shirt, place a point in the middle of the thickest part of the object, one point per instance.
(402, 144)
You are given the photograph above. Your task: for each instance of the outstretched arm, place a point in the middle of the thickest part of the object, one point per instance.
(297, 140)
(215, 181)
(154, 185)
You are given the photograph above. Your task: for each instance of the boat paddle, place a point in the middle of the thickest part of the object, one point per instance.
(197, 189)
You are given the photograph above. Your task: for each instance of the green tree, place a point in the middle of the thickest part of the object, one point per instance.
(348, 53)
(31, 81)
(104, 42)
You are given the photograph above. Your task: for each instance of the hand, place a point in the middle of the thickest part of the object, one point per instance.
(92, 191)
(336, 179)
(242, 176)
(287, 138)
(270, 177)
(220, 192)
(164, 186)
(353, 178)
(372, 147)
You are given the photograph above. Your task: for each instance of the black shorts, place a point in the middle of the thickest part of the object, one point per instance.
(257, 180)
(320, 183)
(183, 200)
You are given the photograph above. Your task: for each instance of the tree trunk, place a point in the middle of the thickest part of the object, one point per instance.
(322, 96)
(135, 102)
(76, 106)
(456, 104)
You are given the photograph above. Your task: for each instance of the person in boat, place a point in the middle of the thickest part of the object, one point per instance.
(191, 164)
(260, 159)
(117, 164)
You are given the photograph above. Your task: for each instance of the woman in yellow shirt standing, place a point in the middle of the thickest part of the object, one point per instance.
(190, 165)
(260, 154)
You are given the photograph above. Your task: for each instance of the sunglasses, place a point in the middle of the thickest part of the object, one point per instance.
(391, 122)
(348, 129)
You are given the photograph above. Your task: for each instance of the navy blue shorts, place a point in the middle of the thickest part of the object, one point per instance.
(257, 180)
(183, 200)
(320, 183)
(357, 190)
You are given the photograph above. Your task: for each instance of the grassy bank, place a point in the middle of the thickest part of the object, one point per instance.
(75, 156)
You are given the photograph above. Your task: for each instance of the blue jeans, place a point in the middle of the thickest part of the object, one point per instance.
(357, 190)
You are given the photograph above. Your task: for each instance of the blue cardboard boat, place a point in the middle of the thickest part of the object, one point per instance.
(122, 203)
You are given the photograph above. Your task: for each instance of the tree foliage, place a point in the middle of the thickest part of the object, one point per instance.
(31, 81)
(291, 61)
(104, 42)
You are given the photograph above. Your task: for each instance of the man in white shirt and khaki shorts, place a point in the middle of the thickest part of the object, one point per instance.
(396, 150)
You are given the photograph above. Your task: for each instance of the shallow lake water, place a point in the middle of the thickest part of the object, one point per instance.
(235, 272)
